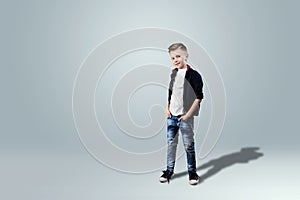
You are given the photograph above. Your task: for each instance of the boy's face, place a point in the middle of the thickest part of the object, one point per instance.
(179, 58)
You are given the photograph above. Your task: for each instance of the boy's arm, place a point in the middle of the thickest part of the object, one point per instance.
(192, 109)
(199, 96)
(168, 113)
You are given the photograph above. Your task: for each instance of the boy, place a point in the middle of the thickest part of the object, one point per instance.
(184, 98)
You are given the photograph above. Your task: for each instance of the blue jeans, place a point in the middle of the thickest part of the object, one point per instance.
(186, 129)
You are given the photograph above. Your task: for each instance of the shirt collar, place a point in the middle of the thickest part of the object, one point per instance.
(187, 68)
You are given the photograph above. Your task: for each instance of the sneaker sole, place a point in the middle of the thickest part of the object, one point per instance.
(162, 180)
(194, 182)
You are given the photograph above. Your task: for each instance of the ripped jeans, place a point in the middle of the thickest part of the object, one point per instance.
(186, 129)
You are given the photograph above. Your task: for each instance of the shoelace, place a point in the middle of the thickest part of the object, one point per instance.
(194, 176)
(167, 174)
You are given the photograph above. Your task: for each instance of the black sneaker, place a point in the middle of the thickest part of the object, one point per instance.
(193, 178)
(167, 174)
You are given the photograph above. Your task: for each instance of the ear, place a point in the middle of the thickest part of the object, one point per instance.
(186, 57)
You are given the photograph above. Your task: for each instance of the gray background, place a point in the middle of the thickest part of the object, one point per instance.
(255, 45)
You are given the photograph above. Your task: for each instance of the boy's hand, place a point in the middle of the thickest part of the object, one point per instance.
(189, 114)
(184, 117)
(168, 113)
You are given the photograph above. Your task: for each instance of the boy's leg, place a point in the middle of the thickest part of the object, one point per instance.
(186, 128)
(172, 137)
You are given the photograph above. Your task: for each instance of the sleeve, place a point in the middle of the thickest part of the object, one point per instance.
(169, 95)
(198, 85)
(172, 79)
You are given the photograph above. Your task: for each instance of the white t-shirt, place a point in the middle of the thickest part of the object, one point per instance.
(176, 102)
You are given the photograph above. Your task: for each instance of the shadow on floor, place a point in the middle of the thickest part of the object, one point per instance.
(243, 156)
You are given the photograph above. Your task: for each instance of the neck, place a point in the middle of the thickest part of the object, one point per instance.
(184, 67)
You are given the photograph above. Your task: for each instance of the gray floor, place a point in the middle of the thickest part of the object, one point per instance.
(231, 175)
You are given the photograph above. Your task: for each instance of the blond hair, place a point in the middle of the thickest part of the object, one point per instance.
(175, 46)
